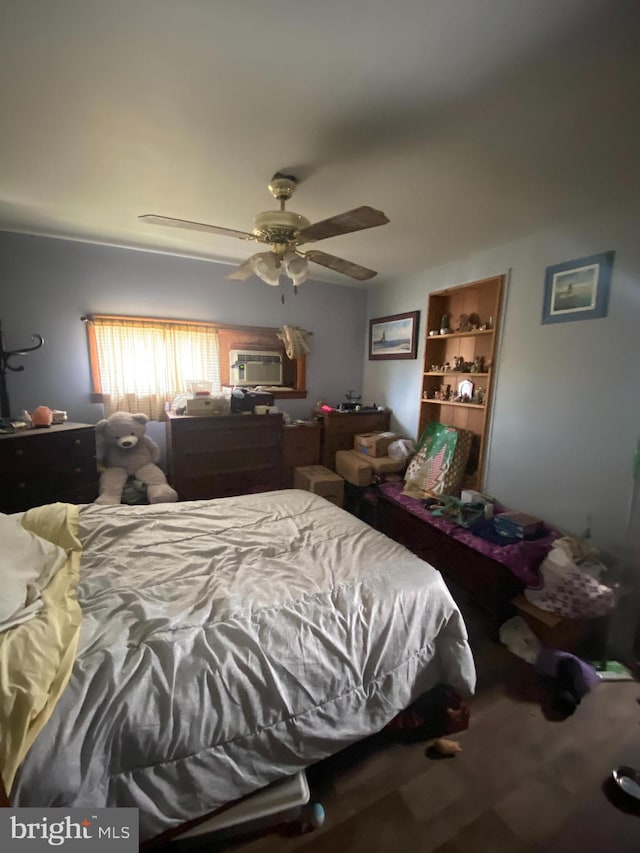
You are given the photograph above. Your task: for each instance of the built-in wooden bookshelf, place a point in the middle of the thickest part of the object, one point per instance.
(474, 344)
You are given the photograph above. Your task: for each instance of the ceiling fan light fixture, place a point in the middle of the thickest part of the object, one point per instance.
(296, 267)
(266, 265)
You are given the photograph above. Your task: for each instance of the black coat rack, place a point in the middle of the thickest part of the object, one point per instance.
(5, 355)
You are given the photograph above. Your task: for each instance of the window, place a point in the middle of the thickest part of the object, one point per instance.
(139, 363)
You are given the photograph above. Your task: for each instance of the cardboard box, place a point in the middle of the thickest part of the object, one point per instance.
(354, 467)
(373, 443)
(358, 469)
(553, 631)
(385, 464)
(321, 481)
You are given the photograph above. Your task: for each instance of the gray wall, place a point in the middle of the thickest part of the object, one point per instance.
(46, 285)
(567, 395)
(567, 404)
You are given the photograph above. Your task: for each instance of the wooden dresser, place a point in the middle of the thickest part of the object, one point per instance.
(340, 427)
(489, 583)
(42, 466)
(216, 457)
(300, 446)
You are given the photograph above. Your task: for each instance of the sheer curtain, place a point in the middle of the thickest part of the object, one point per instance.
(138, 363)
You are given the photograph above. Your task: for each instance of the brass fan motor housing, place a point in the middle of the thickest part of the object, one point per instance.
(279, 226)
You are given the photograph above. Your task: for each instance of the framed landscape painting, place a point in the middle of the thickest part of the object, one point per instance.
(395, 336)
(578, 290)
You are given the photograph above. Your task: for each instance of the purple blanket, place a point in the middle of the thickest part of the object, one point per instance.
(522, 558)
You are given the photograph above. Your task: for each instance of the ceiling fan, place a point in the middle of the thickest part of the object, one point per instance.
(284, 232)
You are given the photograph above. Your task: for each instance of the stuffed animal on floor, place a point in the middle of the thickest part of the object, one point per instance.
(124, 449)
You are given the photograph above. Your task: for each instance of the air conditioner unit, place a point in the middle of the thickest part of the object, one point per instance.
(255, 368)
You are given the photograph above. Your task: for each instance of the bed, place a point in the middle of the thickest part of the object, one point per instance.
(226, 644)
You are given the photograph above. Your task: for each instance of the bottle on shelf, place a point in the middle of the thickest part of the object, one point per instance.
(444, 324)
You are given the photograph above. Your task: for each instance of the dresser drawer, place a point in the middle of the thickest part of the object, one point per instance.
(40, 484)
(235, 480)
(30, 493)
(300, 447)
(42, 466)
(204, 445)
(301, 443)
(32, 451)
(351, 424)
(203, 437)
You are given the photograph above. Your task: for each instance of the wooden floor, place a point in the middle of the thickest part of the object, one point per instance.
(523, 781)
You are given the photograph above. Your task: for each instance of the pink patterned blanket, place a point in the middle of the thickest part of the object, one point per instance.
(522, 558)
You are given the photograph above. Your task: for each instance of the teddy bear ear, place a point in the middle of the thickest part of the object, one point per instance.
(143, 419)
(101, 425)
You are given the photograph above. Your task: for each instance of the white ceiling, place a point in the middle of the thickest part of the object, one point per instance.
(469, 122)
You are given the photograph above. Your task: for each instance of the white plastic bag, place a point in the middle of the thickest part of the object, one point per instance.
(401, 449)
(518, 637)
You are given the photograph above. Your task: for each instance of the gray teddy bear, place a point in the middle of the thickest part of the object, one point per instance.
(124, 449)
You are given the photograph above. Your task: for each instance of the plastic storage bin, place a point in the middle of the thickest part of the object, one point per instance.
(286, 801)
(200, 387)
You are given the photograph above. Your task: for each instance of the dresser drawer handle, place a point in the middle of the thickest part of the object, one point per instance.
(78, 470)
(19, 453)
(22, 485)
(77, 442)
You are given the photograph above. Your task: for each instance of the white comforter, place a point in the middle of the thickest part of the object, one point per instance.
(229, 643)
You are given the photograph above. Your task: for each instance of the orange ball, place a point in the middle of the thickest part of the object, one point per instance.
(42, 416)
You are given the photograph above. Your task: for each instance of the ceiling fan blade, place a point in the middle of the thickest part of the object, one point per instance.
(243, 272)
(340, 265)
(153, 219)
(344, 223)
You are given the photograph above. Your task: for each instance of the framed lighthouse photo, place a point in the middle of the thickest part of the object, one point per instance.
(395, 336)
